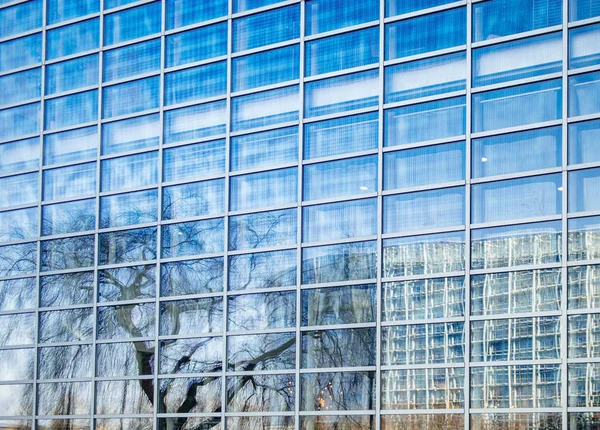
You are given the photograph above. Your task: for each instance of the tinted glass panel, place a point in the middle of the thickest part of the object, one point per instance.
(192, 238)
(196, 83)
(262, 270)
(195, 122)
(196, 45)
(21, 18)
(263, 229)
(130, 134)
(21, 52)
(346, 262)
(185, 12)
(128, 172)
(132, 23)
(69, 181)
(263, 189)
(127, 246)
(264, 149)
(584, 92)
(191, 277)
(583, 46)
(193, 161)
(284, 65)
(20, 155)
(61, 10)
(128, 209)
(131, 60)
(262, 311)
(327, 15)
(72, 74)
(187, 317)
(266, 28)
(194, 199)
(69, 217)
(343, 220)
(126, 283)
(131, 97)
(71, 145)
(18, 225)
(71, 110)
(583, 190)
(73, 39)
(266, 108)
(19, 87)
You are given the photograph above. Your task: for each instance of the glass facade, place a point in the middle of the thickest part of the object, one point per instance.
(185, 185)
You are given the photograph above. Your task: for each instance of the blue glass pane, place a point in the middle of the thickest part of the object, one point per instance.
(129, 209)
(191, 277)
(426, 33)
(584, 142)
(356, 91)
(328, 15)
(264, 229)
(196, 45)
(131, 97)
(582, 245)
(193, 199)
(69, 181)
(244, 5)
(517, 60)
(19, 155)
(63, 10)
(264, 149)
(584, 94)
(277, 187)
(127, 246)
(132, 23)
(266, 108)
(19, 87)
(358, 48)
(425, 121)
(19, 121)
(67, 253)
(20, 52)
(17, 260)
(404, 169)
(399, 7)
(18, 190)
(20, 18)
(266, 28)
(72, 74)
(425, 78)
(192, 238)
(186, 12)
(194, 161)
(262, 270)
(71, 145)
(583, 9)
(70, 110)
(109, 4)
(517, 152)
(357, 218)
(341, 135)
(195, 122)
(130, 172)
(131, 60)
(196, 83)
(130, 134)
(583, 190)
(18, 225)
(249, 71)
(353, 176)
(424, 210)
(72, 39)
(514, 106)
(499, 18)
(69, 217)
(516, 198)
(584, 46)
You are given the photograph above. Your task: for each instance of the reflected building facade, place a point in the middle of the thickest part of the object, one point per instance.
(300, 214)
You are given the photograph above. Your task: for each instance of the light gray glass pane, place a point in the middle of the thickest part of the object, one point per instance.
(332, 221)
(339, 305)
(82, 424)
(192, 238)
(262, 311)
(264, 149)
(17, 294)
(353, 176)
(132, 23)
(581, 378)
(16, 399)
(584, 92)
(201, 355)
(67, 253)
(63, 10)
(17, 329)
(584, 287)
(194, 199)
(198, 44)
(517, 245)
(130, 97)
(196, 83)
(583, 190)
(127, 246)
(194, 161)
(72, 39)
(583, 9)
(423, 299)
(583, 142)
(258, 352)
(338, 348)
(71, 110)
(66, 326)
(17, 424)
(266, 28)
(18, 225)
(67, 289)
(71, 145)
(124, 423)
(190, 395)
(20, 52)
(425, 121)
(284, 65)
(21, 18)
(191, 277)
(131, 60)
(65, 362)
(20, 155)
(251, 422)
(277, 187)
(70, 217)
(545, 420)
(338, 391)
(262, 270)
(584, 45)
(129, 209)
(185, 12)
(346, 262)
(332, 422)
(18, 259)
(268, 393)
(16, 364)
(341, 135)
(130, 172)
(125, 359)
(127, 283)
(264, 229)
(328, 15)
(186, 317)
(131, 134)
(129, 321)
(19, 121)
(72, 74)
(584, 336)
(584, 238)
(20, 87)
(124, 397)
(265, 108)
(72, 181)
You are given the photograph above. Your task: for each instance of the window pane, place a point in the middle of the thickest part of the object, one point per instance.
(277, 187)
(67, 253)
(193, 238)
(186, 12)
(72, 181)
(263, 229)
(20, 52)
(18, 259)
(18, 190)
(127, 246)
(127, 283)
(584, 45)
(132, 23)
(16, 364)
(20, 120)
(69, 217)
(338, 348)
(190, 161)
(262, 311)
(195, 199)
(21, 18)
(266, 28)
(517, 152)
(348, 92)
(332, 263)
(583, 190)
(72, 39)
(64, 398)
(67, 289)
(72, 145)
(131, 97)
(424, 210)
(130, 172)
(20, 87)
(266, 108)
(186, 317)
(584, 287)
(20, 155)
(130, 134)
(18, 294)
(425, 121)
(404, 169)
(339, 305)
(399, 7)
(61, 10)
(516, 198)
(583, 238)
(244, 5)
(131, 60)
(130, 321)
(264, 149)
(262, 270)
(341, 135)
(358, 48)
(426, 33)
(18, 225)
(328, 15)
(72, 74)
(199, 355)
(333, 421)
(248, 71)
(275, 351)
(584, 339)
(129, 209)
(129, 397)
(203, 395)
(66, 326)
(195, 122)
(71, 110)
(339, 220)
(65, 362)
(514, 106)
(583, 9)
(196, 83)
(353, 176)
(584, 93)
(357, 391)
(17, 329)
(268, 393)
(196, 45)
(181, 278)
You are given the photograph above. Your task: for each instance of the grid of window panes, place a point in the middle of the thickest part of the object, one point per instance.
(308, 214)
